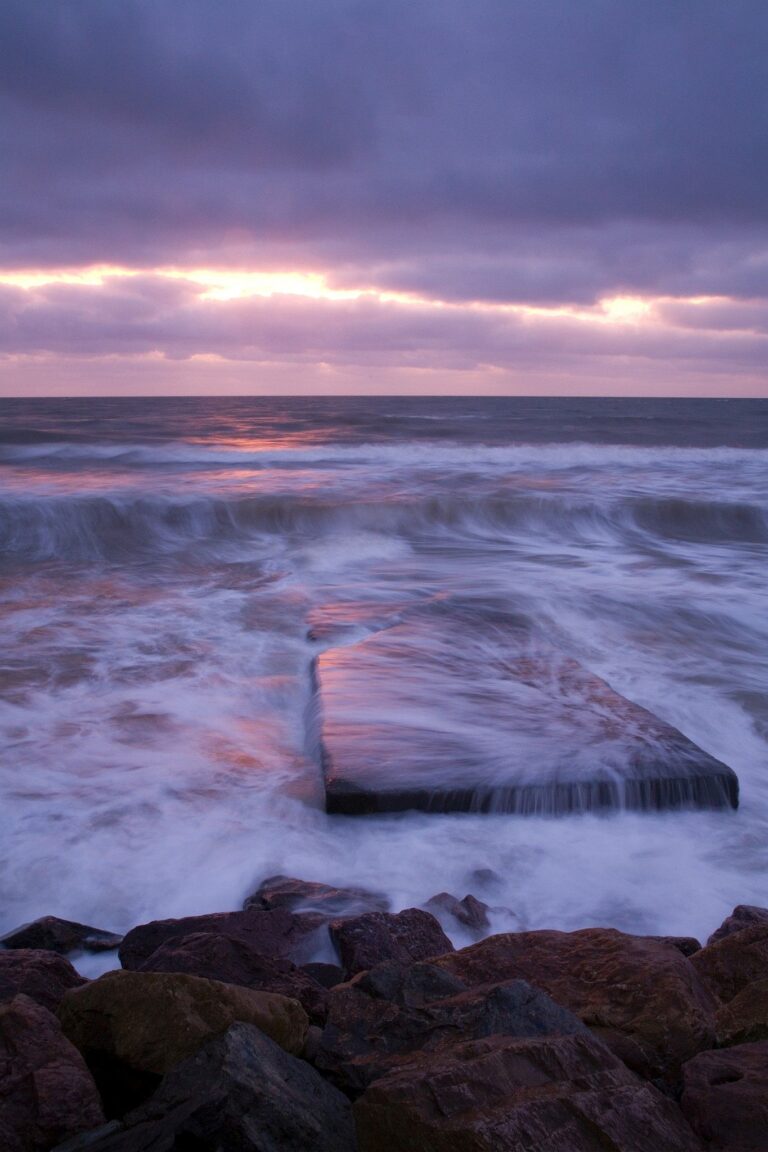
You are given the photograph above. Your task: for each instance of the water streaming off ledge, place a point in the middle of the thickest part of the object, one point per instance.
(446, 711)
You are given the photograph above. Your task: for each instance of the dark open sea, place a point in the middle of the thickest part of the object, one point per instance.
(163, 563)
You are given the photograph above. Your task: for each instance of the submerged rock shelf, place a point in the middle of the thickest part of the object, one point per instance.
(445, 715)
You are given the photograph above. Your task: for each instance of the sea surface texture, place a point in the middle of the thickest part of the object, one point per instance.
(173, 572)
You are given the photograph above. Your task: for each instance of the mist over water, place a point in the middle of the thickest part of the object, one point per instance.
(169, 569)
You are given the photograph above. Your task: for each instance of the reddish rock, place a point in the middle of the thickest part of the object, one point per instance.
(734, 961)
(43, 976)
(308, 896)
(47, 1093)
(641, 996)
(270, 933)
(743, 916)
(725, 1097)
(500, 1094)
(54, 935)
(395, 1009)
(745, 1017)
(233, 961)
(469, 913)
(365, 941)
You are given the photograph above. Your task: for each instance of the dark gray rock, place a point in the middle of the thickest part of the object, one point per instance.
(469, 912)
(365, 941)
(329, 975)
(51, 934)
(43, 976)
(382, 1016)
(239, 1093)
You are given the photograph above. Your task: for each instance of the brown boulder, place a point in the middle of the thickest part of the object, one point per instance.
(309, 896)
(745, 1017)
(232, 961)
(149, 1021)
(270, 933)
(46, 1091)
(501, 1094)
(469, 912)
(743, 916)
(641, 996)
(43, 976)
(368, 940)
(725, 1097)
(734, 961)
(396, 1009)
(54, 935)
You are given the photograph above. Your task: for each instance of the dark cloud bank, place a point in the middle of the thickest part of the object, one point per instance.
(547, 152)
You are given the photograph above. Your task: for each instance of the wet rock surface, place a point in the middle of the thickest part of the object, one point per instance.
(43, 976)
(239, 1091)
(469, 912)
(734, 961)
(641, 996)
(275, 932)
(396, 1009)
(365, 941)
(309, 896)
(743, 916)
(51, 934)
(47, 1093)
(502, 1094)
(725, 1097)
(232, 961)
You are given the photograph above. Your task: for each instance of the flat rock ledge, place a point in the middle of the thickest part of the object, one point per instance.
(521, 1042)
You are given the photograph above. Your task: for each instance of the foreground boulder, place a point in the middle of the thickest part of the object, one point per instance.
(381, 1016)
(743, 916)
(270, 933)
(239, 1091)
(734, 961)
(725, 1097)
(640, 995)
(232, 961)
(132, 1027)
(46, 1091)
(43, 976)
(309, 896)
(365, 941)
(55, 935)
(501, 1094)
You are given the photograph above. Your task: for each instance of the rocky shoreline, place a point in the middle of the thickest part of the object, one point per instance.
(225, 1032)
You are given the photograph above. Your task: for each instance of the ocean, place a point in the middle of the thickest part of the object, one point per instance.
(170, 568)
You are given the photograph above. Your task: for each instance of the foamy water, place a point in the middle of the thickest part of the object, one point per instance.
(169, 569)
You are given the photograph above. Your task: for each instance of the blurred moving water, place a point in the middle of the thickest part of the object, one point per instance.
(169, 567)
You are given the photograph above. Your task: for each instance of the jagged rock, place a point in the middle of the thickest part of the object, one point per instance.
(271, 933)
(368, 940)
(51, 934)
(744, 1018)
(469, 912)
(502, 1094)
(233, 961)
(239, 1091)
(685, 944)
(329, 975)
(43, 976)
(396, 1009)
(132, 1027)
(308, 896)
(743, 916)
(642, 997)
(725, 1097)
(734, 961)
(46, 1091)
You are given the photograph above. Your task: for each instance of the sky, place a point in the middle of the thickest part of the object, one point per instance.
(368, 196)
